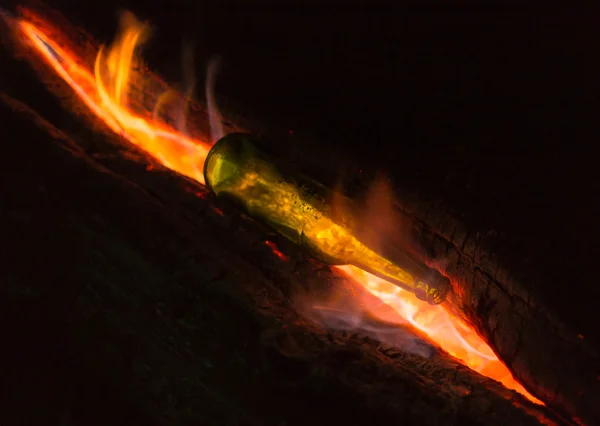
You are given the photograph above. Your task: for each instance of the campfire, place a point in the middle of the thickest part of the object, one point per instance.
(130, 101)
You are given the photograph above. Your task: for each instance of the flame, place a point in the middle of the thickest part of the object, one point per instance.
(106, 92)
(106, 89)
(447, 331)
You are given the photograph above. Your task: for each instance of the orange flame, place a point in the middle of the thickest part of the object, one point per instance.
(105, 91)
(447, 331)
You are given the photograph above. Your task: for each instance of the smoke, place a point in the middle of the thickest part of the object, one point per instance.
(216, 126)
(398, 336)
(346, 306)
(189, 83)
(6, 15)
(176, 99)
(380, 221)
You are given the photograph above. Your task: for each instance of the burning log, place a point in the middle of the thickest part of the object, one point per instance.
(189, 152)
(132, 292)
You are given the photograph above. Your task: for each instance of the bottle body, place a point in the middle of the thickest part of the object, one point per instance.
(300, 210)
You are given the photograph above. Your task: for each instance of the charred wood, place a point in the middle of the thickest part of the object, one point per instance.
(133, 297)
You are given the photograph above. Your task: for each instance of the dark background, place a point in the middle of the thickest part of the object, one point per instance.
(488, 109)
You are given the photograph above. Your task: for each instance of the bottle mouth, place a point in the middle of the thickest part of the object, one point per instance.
(433, 294)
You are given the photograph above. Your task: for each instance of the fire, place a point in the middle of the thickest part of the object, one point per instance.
(449, 332)
(106, 89)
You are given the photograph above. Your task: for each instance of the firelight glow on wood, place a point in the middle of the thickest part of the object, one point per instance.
(105, 89)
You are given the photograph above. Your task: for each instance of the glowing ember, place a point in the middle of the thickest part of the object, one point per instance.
(276, 251)
(105, 90)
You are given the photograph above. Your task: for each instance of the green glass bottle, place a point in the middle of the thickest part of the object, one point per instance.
(300, 210)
